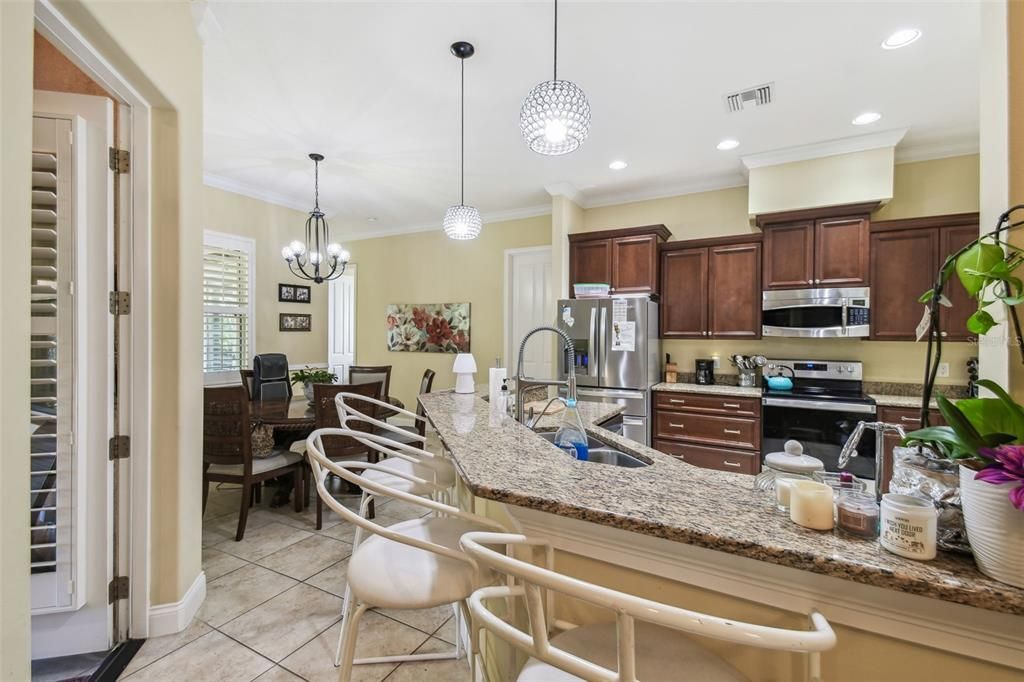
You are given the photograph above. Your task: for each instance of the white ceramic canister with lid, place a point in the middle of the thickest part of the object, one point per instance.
(908, 526)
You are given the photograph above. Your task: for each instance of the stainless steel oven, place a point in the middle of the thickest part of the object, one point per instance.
(816, 313)
(820, 411)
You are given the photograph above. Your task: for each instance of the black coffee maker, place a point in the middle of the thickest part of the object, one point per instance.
(705, 371)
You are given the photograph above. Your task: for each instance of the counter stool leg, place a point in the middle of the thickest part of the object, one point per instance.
(350, 631)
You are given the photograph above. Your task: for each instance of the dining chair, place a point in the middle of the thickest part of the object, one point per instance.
(363, 374)
(271, 380)
(419, 425)
(326, 416)
(647, 640)
(415, 564)
(227, 450)
(248, 378)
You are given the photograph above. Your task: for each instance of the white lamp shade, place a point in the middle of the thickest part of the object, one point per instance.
(464, 367)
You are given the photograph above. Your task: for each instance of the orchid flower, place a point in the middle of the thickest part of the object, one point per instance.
(1007, 467)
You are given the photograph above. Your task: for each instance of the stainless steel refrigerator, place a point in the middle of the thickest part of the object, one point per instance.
(617, 355)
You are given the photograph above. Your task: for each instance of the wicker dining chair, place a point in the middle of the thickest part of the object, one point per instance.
(227, 450)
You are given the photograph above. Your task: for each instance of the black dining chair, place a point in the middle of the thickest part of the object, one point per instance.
(270, 377)
(420, 427)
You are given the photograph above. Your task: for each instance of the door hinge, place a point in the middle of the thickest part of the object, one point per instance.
(120, 160)
(117, 589)
(119, 447)
(120, 302)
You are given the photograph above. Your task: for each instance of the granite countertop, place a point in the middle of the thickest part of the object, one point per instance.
(716, 389)
(913, 401)
(502, 460)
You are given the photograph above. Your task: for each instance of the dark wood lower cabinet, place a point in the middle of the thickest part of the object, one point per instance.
(713, 431)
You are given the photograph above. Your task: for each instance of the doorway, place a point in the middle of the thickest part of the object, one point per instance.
(341, 323)
(529, 303)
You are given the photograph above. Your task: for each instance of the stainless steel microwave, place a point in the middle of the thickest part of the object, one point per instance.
(816, 313)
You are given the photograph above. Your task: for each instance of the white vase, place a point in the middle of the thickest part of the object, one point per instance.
(995, 528)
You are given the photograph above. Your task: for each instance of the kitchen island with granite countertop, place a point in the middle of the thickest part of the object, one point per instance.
(712, 530)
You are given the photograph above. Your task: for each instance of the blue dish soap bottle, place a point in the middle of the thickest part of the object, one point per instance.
(570, 435)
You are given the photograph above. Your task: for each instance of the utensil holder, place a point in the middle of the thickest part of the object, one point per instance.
(748, 377)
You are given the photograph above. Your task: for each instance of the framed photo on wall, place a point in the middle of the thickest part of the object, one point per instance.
(295, 322)
(286, 293)
(302, 293)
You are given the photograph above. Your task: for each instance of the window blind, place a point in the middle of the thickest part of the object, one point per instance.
(226, 308)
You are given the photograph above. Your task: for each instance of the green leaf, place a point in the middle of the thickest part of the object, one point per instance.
(978, 259)
(927, 296)
(980, 322)
(958, 421)
(1012, 407)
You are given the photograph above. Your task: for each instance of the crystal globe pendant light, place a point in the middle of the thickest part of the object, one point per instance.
(555, 118)
(461, 221)
(310, 259)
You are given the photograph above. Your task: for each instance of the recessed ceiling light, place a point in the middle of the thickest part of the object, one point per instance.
(371, 219)
(617, 165)
(901, 38)
(866, 118)
(726, 145)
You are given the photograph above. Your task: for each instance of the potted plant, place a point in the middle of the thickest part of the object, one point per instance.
(984, 435)
(309, 376)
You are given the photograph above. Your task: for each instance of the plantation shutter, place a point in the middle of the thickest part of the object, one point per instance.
(227, 312)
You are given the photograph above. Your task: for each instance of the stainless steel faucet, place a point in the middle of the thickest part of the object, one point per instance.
(850, 448)
(523, 382)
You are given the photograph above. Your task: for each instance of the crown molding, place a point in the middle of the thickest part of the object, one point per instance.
(816, 150)
(230, 185)
(565, 189)
(928, 152)
(666, 191)
(376, 231)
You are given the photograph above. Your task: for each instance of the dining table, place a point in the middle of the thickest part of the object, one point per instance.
(298, 415)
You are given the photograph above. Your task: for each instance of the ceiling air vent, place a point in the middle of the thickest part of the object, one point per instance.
(751, 97)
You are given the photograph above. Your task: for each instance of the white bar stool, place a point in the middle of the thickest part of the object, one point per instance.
(645, 642)
(414, 564)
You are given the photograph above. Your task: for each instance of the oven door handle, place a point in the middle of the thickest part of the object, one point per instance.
(846, 309)
(860, 408)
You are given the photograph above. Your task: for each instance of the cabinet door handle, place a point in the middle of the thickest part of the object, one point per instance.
(944, 333)
(676, 426)
(678, 401)
(734, 432)
(734, 405)
(727, 463)
(911, 420)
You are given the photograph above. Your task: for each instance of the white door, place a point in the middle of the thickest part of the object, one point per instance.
(341, 323)
(529, 303)
(72, 374)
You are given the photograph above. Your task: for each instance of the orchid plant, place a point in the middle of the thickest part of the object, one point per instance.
(984, 434)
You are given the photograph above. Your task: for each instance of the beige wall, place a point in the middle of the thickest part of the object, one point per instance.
(271, 227)
(826, 181)
(924, 188)
(15, 159)
(427, 267)
(1015, 48)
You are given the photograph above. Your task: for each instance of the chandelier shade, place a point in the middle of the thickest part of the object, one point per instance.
(462, 222)
(555, 117)
(316, 259)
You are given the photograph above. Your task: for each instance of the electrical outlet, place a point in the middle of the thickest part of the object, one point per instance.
(718, 361)
(943, 369)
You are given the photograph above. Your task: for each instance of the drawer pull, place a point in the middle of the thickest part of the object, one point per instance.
(733, 405)
(677, 400)
(676, 426)
(735, 432)
(912, 420)
(727, 463)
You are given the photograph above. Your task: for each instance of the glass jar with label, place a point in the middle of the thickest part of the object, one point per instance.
(908, 526)
(857, 514)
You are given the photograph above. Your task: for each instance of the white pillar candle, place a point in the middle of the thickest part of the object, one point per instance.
(810, 504)
(782, 493)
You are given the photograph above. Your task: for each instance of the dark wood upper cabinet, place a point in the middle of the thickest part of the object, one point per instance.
(734, 291)
(954, 319)
(898, 280)
(635, 264)
(789, 256)
(684, 293)
(625, 259)
(711, 288)
(905, 257)
(590, 261)
(841, 247)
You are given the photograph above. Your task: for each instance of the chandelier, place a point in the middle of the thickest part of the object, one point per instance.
(555, 118)
(462, 221)
(306, 259)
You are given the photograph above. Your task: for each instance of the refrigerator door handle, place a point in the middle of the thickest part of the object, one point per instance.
(592, 351)
(599, 338)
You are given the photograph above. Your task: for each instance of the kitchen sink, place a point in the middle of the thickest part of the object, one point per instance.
(602, 453)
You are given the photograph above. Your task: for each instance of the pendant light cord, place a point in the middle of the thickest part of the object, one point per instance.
(316, 185)
(555, 74)
(462, 132)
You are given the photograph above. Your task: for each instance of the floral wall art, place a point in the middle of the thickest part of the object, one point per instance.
(428, 327)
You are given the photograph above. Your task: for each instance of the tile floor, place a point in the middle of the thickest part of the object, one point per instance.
(273, 605)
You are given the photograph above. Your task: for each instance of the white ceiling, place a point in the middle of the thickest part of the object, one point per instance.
(373, 87)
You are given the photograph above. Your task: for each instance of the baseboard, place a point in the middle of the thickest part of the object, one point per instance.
(166, 619)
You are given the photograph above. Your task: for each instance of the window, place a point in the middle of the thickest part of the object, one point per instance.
(228, 318)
